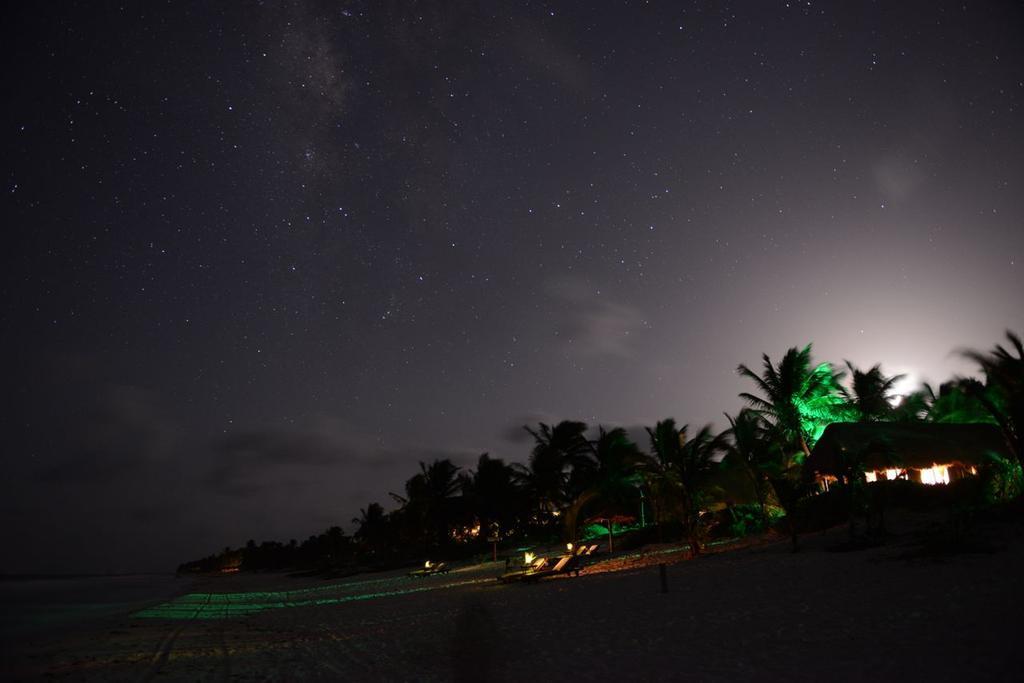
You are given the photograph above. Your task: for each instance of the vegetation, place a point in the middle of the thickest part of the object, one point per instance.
(750, 476)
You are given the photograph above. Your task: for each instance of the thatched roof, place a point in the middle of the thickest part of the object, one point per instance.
(915, 445)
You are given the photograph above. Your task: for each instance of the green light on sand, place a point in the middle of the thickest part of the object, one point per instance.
(229, 605)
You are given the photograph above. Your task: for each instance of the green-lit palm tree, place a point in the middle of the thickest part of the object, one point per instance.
(797, 400)
(1002, 395)
(870, 393)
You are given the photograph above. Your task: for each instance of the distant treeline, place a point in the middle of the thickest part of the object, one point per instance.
(688, 483)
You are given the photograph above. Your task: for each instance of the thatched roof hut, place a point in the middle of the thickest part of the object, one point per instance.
(911, 446)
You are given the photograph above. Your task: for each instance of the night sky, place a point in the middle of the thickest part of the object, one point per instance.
(259, 261)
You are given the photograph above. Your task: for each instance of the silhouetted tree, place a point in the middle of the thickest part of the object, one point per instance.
(545, 476)
(914, 406)
(1002, 395)
(748, 446)
(427, 504)
(659, 470)
(870, 393)
(678, 473)
(606, 477)
(372, 531)
(958, 402)
(492, 496)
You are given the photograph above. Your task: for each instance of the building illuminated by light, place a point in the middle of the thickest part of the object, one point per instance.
(925, 453)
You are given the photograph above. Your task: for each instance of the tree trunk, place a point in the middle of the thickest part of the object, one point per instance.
(759, 492)
(804, 448)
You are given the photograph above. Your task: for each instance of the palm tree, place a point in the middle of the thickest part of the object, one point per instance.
(556, 449)
(914, 407)
(798, 401)
(491, 494)
(1002, 395)
(956, 402)
(677, 472)
(696, 463)
(372, 529)
(659, 469)
(747, 445)
(606, 474)
(427, 500)
(870, 393)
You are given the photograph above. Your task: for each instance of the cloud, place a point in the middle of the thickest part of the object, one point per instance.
(596, 325)
(124, 430)
(514, 432)
(324, 448)
(248, 461)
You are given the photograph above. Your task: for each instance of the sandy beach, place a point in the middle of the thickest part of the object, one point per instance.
(758, 613)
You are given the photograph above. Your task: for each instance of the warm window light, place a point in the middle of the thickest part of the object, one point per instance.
(889, 474)
(426, 565)
(936, 474)
(528, 558)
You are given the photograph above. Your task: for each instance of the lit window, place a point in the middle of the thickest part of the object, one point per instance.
(936, 474)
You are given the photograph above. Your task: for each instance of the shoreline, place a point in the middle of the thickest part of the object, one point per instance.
(758, 610)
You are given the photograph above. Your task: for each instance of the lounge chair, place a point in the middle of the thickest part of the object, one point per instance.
(430, 569)
(517, 574)
(565, 564)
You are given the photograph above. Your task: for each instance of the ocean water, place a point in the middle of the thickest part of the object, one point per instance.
(37, 606)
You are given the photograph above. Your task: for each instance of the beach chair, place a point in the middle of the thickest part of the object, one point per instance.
(518, 574)
(429, 569)
(565, 564)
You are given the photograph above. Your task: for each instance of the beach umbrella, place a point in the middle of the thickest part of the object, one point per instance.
(608, 521)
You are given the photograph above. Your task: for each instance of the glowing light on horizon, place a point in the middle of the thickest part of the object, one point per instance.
(910, 383)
